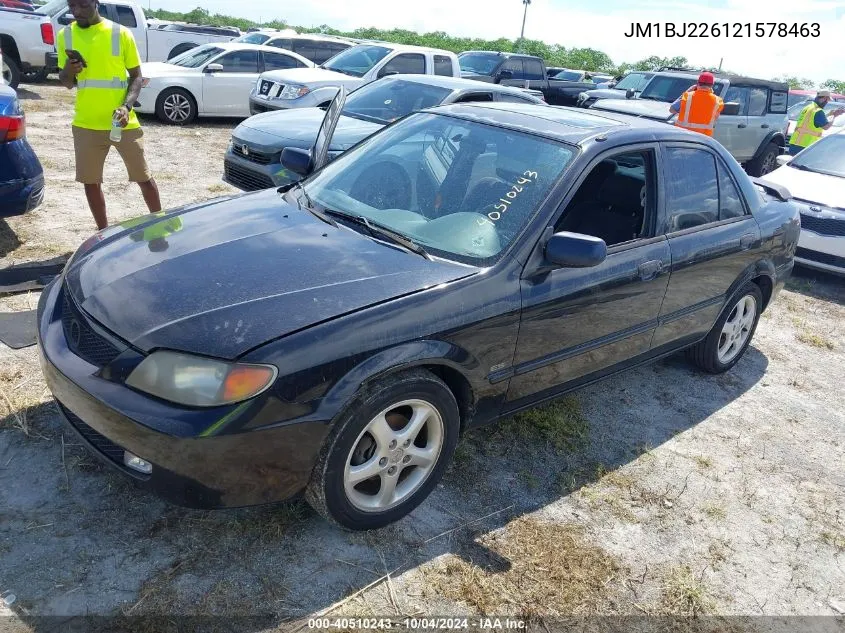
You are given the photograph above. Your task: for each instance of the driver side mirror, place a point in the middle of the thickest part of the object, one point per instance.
(630, 93)
(386, 73)
(213, 68)
(297, 160)
(574, 250)
(504, 74)
(66, 19)
(731, 109)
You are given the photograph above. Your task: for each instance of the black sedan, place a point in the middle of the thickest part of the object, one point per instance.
(335, 338)
(252, 161)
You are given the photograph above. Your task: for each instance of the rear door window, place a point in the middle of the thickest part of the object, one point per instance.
(757, 100)
(692, 188)
(306, 48)
(126, 16)
(442, 65)
(280, 61)
(515, 67)
(533, 69)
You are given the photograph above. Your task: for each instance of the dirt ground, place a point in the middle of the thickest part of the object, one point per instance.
(659, 492)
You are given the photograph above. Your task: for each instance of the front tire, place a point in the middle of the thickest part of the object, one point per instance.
(386, 453)
(765, 163)
(732, 333)
(176, 106)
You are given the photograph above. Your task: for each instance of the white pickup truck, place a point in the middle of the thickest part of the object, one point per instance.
(28, 38)
(353, 68)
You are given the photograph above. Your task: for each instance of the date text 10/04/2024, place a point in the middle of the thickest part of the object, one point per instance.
(724, 29)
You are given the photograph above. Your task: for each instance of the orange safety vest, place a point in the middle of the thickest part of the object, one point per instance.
(699, 110)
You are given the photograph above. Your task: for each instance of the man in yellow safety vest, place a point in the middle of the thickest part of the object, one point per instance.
(100, 58)
(811, 122)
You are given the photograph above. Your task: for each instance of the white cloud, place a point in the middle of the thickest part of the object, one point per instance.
(593, 25)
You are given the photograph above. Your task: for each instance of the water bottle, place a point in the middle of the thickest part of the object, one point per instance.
(116, 131)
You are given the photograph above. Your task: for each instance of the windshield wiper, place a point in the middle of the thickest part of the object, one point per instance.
(311, 208)
(379, 229)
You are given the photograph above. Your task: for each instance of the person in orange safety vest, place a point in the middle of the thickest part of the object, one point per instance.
(699, 107)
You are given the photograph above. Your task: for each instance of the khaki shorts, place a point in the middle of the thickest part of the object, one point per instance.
(92, 147)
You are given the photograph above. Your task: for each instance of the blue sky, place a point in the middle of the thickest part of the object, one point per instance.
(599, 24)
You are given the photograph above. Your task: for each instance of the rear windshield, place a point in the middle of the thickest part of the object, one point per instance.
(253, 38)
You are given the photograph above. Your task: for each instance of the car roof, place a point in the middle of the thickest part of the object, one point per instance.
(403, 47)
(732, 79)
(311, 36)
(503, 54)
(458, 83)
(570, 125)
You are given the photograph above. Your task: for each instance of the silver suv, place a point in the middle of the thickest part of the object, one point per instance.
(755, 136)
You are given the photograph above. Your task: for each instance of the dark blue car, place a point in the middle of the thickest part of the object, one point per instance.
(333, 338)
(21, 176)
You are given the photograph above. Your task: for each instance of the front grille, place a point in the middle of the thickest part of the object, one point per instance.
(81, 337)
(821, 258)
(100, 442)
(245, 179)
(259, 158)
(823, 226)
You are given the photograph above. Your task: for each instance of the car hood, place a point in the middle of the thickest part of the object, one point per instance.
(273, 131)
(605, 93)
(313, 77)
(812, 187)
(657, 110)
(222, 277)
(152, 70)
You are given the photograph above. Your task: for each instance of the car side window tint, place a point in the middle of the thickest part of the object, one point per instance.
(474, 97)
(692, 188)
(614, 201)
(757, 101)
(103, 10)
(278, 61)
(305, 48)
(322, 52)
(738, 94)
(126, 16)
(533, 69)
(779, 102)
(406, 64)
(442, 65)
(240, 62)
(285, 44)
(730, 200)
(509, 98)
(515, 66)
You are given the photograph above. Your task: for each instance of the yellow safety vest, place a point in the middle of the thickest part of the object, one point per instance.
(102, 84)
(806, 133)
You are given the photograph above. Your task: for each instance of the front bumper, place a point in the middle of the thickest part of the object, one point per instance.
(821, 252)
(201, 458)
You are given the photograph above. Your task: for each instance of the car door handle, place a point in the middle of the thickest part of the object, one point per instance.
(742, 125)
(765, 126)
(649, 270)
(746, 241)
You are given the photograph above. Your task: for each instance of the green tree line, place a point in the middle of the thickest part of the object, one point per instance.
(553, 54)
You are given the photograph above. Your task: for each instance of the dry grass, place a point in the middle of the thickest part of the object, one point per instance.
(834, 539)
(552, 570)
(715, 511)
(218, 188)
(561, 424)
(684, 594)
(815, 340)
(21, 396)
(704, 462)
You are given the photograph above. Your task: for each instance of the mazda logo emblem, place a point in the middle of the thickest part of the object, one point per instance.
(75, 332)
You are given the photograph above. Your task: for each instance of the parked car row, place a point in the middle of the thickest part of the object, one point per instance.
(21, 175)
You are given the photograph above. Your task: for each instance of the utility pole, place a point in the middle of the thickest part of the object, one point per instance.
(720, 63)
(524, 15)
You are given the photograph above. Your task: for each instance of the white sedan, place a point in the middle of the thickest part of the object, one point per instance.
(209, 80)
(816, 179)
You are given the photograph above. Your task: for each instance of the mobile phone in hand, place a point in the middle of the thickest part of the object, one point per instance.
(76, 56)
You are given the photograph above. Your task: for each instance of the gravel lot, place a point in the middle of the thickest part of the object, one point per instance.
(661, 491)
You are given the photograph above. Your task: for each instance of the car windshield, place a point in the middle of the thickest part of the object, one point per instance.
(357, 61)
(479, 63)
(826, 156)
(390, 99)
(634, 81)
(667, 89)
(195, 57)
(53, 7)
(252, 38)
(569, 75)
(601, 79)
(462, 190)
(795, 111)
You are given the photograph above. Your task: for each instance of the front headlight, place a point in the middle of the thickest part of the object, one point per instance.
(199, 382)
(294, 92)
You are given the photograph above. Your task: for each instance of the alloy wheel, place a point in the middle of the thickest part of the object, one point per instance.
(177, 108)
(737, 329)
(393, 456)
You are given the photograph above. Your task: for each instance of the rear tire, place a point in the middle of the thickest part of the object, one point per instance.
(731, 334)
(176, 106)
(765, 163)
(400, 435)
(11, 72)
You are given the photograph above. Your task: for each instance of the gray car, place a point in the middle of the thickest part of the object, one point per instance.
(631, 85)
(253, 160)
